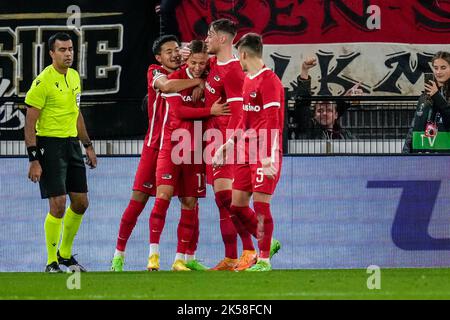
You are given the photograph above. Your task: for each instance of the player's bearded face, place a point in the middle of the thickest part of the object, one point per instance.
(62, 54)
(197, 64)
(170, 55)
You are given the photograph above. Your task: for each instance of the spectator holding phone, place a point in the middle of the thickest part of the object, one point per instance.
(430, 127)
(321, 122)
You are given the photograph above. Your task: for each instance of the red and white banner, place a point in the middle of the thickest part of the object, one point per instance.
(386, 45)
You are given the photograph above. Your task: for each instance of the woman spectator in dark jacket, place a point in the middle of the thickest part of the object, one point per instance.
(430, 127)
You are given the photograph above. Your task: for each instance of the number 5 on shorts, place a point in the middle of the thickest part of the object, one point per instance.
(259, 175)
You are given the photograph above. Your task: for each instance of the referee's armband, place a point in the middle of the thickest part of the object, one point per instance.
(33, 153)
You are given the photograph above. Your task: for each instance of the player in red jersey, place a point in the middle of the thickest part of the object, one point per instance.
(166, 51)
(224, 82)
(260, 147)
(180, 163)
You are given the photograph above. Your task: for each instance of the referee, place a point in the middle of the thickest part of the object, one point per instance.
(54, 125)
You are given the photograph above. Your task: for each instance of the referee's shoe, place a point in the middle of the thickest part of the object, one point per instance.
(53, 268)
(71, 263)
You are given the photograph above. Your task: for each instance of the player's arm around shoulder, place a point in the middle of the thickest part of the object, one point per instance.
(172, 84)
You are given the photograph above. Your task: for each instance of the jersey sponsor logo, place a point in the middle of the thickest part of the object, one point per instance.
(167, 176)
(249, 107)
(217, 78)
(187, 98)
(210, 89)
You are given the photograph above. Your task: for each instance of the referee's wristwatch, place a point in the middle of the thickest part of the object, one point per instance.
(87, 144)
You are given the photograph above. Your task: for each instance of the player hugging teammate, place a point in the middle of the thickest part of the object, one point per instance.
(239, 105)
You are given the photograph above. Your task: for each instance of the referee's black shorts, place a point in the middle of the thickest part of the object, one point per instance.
(63, 169)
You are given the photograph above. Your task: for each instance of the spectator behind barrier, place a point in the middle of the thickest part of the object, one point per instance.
(430, 127)
(323, 122)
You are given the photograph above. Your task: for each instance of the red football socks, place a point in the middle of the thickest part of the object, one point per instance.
(264, 228)
(158, 219)
(185, 229)
(127, 223)
(229, 234)
(244, 219)
(192, 247)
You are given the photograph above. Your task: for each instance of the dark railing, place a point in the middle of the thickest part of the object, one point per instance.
(118, 126)
(378, 124)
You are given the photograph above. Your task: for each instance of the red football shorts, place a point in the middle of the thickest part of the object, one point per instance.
(145, 178)
(187, 179)
(251, 178)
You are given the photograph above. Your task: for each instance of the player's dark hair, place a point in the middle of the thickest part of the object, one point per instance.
(158, 43)
(224, 25)
(61, 36)
(252, 43)
(198, 46)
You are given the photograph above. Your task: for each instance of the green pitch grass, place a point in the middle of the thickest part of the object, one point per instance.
(278, 284)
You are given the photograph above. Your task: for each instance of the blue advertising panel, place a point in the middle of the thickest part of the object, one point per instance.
(329, 212)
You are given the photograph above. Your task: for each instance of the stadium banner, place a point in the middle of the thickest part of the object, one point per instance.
(384, 45)
(112, 51)
(380, 68)
(329, 212)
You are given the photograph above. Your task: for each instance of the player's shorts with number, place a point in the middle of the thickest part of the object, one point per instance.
(251, 178)
(187, 179)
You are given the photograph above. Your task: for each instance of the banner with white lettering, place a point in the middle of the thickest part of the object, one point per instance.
(112, 50)
(385, 45)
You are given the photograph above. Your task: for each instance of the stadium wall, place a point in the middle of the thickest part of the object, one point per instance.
(329, 212)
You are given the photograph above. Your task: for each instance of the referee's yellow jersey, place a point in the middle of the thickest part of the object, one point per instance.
(57, 96)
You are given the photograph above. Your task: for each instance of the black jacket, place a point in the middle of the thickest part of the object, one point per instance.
(435, 109)
(307, 126)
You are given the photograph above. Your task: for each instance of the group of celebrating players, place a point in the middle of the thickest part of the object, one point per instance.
(216, 119)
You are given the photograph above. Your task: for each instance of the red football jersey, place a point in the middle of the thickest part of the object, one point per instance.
(263, 108)
(225, 80)
(155, 107)
(174, 103)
